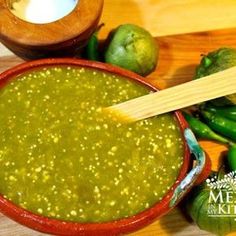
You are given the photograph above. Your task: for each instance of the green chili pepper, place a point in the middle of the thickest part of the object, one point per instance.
(201, 130)
(92, 52)
(231, 157)
(220, 124)
(228, 112)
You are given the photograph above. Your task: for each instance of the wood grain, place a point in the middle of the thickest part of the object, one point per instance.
(168, 17)
(10, 228)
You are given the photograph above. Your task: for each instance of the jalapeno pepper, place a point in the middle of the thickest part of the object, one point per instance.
(201, 130)
(91, 50)
(228, 112)
(231, 157)
(220, 124)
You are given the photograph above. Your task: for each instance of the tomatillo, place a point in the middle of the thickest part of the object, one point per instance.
(133, 48)
(232, 158)
(217, 61)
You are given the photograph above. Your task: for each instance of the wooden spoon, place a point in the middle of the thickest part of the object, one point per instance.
(207, 88)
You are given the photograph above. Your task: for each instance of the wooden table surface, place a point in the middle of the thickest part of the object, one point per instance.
(179, 56)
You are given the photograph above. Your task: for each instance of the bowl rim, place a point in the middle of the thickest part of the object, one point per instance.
(126, 225)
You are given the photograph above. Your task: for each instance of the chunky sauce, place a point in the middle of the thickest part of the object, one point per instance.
(61, 157)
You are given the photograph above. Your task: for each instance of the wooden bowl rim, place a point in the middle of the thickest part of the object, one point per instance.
(84, 16)
(58, 227)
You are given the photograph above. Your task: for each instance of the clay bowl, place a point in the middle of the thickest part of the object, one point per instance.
(57, 227)
(64, 37)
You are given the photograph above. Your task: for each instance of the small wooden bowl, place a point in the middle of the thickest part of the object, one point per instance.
(118, 227)
(64, 37)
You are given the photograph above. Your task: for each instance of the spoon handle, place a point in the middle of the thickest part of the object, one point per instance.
(207, 88)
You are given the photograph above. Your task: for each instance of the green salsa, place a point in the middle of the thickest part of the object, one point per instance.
(62, 158)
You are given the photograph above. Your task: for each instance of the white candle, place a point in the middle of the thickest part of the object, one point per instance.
(42, 11)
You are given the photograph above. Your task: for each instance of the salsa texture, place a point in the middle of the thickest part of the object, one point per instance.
(62, 158)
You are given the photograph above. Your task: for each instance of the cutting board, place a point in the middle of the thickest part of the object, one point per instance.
(179, 56)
